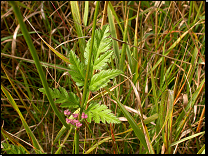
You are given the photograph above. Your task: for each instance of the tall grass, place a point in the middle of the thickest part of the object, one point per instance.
(160, 98)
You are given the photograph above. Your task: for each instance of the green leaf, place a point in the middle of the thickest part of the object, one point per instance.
(102, 43)
(101, 113)
(77, 71)
(101, 79)
(56, 92)
(62, 96)
(54, 95)
(101, 62)
(72, 101)
(14, 149)
(87, 50)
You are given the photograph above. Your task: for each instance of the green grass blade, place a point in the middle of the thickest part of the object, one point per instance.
(123, 51)
(96, 145)
(13, 86)
(136, 56)
(146, 121)
(86, 12)
(29, 93)
(181, 37)
(77, 20)
(29, 132)
(194, 62)
(198, 10)
(187, 138)
(154, 90)
(113, 34)
(115, 15)
(8, 148)
(139, 133)
(37, 62)
(51, 48)
(202, 150)
(65, 139)
(188, 109)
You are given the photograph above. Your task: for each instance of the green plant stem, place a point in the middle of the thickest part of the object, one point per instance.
(76, 139)
(66, 137)
(87, 76)
(37, 62)
(89, 59)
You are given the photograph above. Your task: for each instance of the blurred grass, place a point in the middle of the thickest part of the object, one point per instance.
(160, 46)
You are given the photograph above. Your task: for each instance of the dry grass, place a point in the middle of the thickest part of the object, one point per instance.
(163, 56)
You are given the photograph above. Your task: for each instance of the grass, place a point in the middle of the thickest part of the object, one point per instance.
(159, 98)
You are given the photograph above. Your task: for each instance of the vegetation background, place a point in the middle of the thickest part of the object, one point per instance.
(159, 45)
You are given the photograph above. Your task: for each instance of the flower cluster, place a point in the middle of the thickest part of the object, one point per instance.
(74, 121)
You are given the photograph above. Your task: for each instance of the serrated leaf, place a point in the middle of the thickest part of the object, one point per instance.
(101, 113)
(62, 96)
(101, 44)
(79, 81)
(72, 100)
(91, 106)
(42, 90)
(101, 79)
(86, 53)
(57, 92)
(64, 92)
(60, 100)
(101, 62)
(77, 71)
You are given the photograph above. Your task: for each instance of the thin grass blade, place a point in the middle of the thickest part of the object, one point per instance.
(113, 34)
(29, 132)
(139, 133)
(37, 62)
(187, 138)
(86, 12)
(77, 20)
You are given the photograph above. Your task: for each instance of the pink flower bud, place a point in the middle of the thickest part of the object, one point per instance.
(75, 121)
(68, 120)
(78, 124)
(75, 115)
(72, 122)
(67, 112)
(84, 116)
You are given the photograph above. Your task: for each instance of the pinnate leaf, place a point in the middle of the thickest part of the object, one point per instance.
(101, 62)
(101, 79)
(77, 71)
(62, 96)
(99, 113)
(102, 43)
